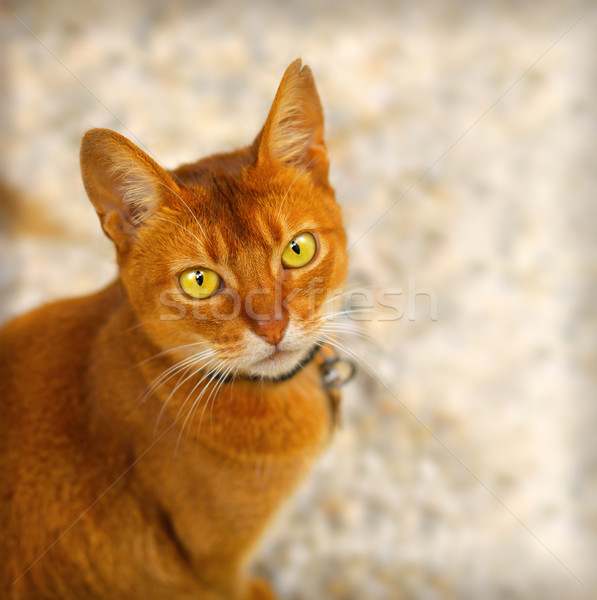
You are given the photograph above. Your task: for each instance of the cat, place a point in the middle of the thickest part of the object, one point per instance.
(150, 431)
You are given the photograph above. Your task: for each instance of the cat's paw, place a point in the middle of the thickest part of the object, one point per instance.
(259, 589)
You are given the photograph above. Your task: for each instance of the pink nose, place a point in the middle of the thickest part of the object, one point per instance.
(271, 330)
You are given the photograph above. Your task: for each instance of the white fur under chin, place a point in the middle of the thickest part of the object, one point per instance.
(267, 361)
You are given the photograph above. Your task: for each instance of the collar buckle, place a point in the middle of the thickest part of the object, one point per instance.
(336, 372)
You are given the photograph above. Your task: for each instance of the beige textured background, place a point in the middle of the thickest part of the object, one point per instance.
(466, 468)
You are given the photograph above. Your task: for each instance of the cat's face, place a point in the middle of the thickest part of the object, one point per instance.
(233, 259)
(244, 224)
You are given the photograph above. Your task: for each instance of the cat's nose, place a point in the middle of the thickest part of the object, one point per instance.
(271, 330)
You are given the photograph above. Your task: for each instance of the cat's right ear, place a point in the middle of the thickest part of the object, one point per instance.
(123, 183)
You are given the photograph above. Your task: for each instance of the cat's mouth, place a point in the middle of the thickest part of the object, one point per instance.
(277, 355)
(282, 364)
(278, 362)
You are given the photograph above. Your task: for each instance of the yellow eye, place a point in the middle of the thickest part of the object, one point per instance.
(300, 251)
(199, 283)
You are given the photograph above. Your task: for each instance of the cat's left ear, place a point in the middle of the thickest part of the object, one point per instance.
(123, 183)
(293, 133)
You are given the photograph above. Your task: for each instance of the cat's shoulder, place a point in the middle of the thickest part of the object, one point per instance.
(54, 333)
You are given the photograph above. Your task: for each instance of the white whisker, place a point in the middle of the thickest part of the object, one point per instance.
(171, 372)
(173, 349)
(166, 375)
(339, 328)
(180, 383)
(213, 395)
(207, 370)
(352, 291)
(333, 315)
(349, 351)
(212, 375)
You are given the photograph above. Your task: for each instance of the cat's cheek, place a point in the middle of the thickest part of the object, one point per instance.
(173, 305)
(304, 296)
(226, 306)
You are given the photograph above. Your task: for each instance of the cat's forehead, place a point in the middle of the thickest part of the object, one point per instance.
(242, 215)
(254, 200)
(234, 221)
(254, 207)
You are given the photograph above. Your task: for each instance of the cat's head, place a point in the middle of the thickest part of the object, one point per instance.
(230, 259)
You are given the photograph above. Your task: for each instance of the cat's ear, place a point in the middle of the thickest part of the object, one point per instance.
(293, 133)
(122, 182)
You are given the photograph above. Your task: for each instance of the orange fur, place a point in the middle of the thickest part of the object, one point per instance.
(116, 483)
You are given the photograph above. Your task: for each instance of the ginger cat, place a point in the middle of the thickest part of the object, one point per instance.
(150, 431)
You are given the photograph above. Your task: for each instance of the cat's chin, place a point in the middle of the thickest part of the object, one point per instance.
(281, 364)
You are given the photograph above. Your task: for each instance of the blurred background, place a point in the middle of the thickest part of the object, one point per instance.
(462, 143)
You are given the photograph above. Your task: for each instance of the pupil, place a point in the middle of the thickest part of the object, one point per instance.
(199, 278)
(295, 247)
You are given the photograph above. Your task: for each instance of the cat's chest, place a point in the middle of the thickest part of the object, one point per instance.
(244, 418)
(232, 472)
(268, 420)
